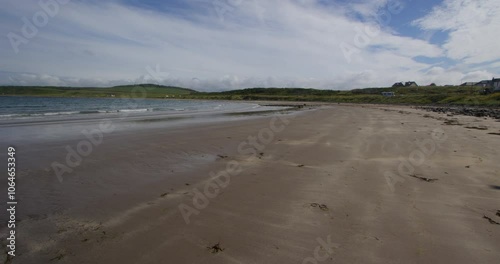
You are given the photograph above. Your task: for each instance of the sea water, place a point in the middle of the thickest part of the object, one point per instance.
(20, 106)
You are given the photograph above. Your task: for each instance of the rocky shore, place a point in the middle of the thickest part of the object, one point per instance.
(467, 111)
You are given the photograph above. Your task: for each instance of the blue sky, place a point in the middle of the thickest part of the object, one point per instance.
(232, 44)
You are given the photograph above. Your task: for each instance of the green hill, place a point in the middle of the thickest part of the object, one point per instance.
(140, 90)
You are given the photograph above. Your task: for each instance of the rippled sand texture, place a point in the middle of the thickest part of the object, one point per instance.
(339, 184)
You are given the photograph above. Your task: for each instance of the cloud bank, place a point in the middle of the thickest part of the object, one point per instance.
(221, 44)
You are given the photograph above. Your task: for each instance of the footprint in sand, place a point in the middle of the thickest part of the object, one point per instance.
(323, 207)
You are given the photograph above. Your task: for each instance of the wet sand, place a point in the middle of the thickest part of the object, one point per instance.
(336, 184)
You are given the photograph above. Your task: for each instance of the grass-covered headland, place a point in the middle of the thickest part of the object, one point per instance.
(423, 95)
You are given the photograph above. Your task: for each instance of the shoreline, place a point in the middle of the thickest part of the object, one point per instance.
(292, 101)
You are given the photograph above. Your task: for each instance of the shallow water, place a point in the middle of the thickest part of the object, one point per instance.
(24, 120)
(28, 107)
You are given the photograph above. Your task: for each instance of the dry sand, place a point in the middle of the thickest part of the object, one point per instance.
(350, 176)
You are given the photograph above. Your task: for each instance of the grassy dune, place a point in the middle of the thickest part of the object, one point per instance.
(446, 95)
(423, 95)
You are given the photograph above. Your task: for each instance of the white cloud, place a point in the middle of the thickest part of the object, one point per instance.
(476, 76)
(257, 43)
(472, 27)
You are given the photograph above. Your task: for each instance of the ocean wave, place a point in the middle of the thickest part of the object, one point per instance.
(91, 112)
(13, 115)
(60, 113)
(52, 108)
(133, 110)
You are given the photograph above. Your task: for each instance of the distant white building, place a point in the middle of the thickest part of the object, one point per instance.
(495, 84)
(411, 84)
(484, 83)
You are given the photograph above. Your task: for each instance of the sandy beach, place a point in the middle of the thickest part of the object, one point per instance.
(327, 184)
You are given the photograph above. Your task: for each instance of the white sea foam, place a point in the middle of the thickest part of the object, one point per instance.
(133, 110)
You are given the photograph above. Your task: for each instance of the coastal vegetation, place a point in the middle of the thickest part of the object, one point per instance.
(421, 95)
(128, 91)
